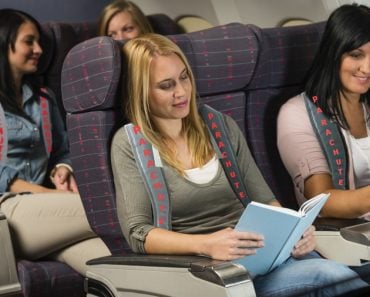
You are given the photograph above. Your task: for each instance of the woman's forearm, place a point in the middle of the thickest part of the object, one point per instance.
(161, 241)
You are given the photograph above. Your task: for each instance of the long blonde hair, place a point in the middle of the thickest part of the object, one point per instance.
(139, 54)
(118, 6)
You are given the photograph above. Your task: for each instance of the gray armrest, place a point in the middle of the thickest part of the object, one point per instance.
(332, 224)
(167, 275)
(343, 240)
(9, 283)
(357, 233)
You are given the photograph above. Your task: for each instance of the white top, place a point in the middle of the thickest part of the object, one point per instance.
(361, 160)
(204, 174)
(360, 148)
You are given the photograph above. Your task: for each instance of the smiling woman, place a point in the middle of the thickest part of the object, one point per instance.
(42, 219)
(338, 91)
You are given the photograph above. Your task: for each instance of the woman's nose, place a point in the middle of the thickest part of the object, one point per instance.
(179, 90)
(365, 66)
(37, 48)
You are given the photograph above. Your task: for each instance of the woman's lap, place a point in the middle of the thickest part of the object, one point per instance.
(311, 276)
(45, 223)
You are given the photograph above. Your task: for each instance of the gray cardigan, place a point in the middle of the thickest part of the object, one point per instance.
(196, 208)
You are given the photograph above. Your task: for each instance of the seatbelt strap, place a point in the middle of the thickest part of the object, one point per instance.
(45, 121)
(3, 137)
(331, 142)
(153, 176)
(216, 127)
(45, 125)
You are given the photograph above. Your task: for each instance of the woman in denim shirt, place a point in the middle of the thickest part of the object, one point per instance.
(33, 146)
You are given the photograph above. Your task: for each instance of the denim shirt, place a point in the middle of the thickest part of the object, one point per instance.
(27, 158)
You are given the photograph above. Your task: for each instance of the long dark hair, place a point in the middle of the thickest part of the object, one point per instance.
(347, 28)
(10, 21)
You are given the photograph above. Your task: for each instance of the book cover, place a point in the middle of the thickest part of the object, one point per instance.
(281, 228)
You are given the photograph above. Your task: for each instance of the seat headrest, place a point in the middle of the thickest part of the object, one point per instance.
(223, 58)
(91, 75)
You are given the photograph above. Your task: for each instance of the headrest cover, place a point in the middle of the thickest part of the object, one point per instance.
(91, 74)
(223, 58)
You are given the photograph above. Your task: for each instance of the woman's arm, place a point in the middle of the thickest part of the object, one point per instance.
(226, 244)
(303, 157)
(20, 185)
(341, 203)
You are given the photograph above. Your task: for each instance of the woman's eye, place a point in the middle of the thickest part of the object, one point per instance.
(29, 42)
(184, 76)
(129, 29)
(165, 86)
(355, 54)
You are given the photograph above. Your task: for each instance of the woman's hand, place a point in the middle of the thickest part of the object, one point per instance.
(306, 244)
(64, 180)
(228, 244)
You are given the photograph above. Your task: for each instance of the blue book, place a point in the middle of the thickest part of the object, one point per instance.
(281, 227)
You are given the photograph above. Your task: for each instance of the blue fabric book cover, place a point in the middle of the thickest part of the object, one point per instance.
(281, 228)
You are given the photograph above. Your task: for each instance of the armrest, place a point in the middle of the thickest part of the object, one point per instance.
(343, 240)
(9, 283)
(357, 233)
(333, 224)
(167, 275)
(219, 272)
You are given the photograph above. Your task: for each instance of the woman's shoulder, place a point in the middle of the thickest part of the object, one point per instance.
(294, 109)
(294, 103)
(120, 137)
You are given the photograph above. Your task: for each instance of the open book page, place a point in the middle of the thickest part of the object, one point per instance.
(285, 210)
(311, 203)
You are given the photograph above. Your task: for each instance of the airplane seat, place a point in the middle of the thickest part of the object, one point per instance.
(192, 23)
(163, 24)
(223, 60)
(285, 56)
(63, 36)
(90, 78)
(294, 21)
(242, 70)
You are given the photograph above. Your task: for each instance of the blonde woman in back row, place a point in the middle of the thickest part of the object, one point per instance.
(123, 20)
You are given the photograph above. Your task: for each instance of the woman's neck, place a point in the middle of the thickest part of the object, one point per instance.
(354, 113)
(171, 128)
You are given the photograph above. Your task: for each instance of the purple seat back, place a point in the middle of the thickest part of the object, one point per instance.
(90, 79)
(285, 55)
(223, 60)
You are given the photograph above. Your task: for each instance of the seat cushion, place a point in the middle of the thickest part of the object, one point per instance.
(49, 279)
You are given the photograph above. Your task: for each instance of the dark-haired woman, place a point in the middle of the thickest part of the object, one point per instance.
(337, 88)
(33, 148)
